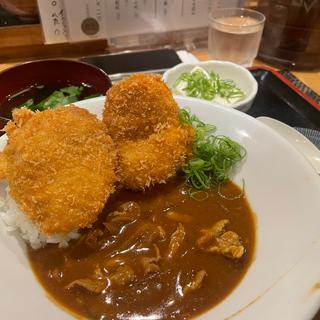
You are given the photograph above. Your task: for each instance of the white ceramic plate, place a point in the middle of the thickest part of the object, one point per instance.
(298, 140)
(283, 190)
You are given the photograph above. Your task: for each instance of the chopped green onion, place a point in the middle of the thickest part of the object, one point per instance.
(214, 157)
(199, 84)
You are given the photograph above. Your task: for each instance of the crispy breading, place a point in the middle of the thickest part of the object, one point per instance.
(3, 165)
(143, 119)
(135, 106)
(59, 166)
(154, 160)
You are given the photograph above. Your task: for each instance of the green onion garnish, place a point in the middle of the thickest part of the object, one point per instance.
(214, 157)
(199, 85)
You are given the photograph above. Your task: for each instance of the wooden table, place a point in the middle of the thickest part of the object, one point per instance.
(310, 78)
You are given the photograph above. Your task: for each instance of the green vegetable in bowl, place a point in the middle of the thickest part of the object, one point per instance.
(59, 97)
(214, 157)
(200, 84)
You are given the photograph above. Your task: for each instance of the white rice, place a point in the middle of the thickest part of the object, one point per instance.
(15, 220)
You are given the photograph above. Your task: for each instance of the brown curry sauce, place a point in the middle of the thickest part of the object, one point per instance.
(132, 267)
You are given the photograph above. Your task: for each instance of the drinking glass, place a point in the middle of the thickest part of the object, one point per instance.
(235, 35)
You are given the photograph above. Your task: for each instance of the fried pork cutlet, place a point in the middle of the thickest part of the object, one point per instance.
(136, 106)
(143, 120)
(60, 166)
(155, 159)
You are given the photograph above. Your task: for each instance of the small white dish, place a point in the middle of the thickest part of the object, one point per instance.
(299, 141)
(227, 71)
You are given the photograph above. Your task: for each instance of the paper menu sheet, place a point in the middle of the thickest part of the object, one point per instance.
(72, 20)
(100, 19)
(53, 21)
(86, 19)
(140, 16)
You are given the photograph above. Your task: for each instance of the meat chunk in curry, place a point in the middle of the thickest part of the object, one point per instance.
(217, 240)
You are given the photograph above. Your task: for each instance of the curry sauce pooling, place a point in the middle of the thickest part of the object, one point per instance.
(158, 254)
